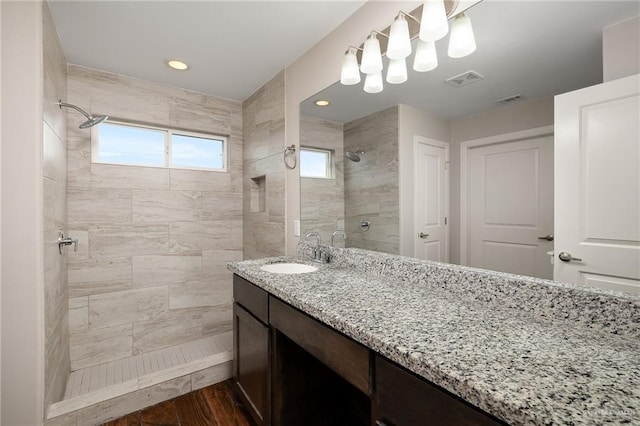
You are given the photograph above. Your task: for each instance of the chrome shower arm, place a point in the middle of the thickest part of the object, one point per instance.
(64, 104)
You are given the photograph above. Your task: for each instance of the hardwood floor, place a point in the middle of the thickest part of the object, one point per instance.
(212, 406)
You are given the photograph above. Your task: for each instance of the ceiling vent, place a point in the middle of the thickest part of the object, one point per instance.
(509, 99)
(465, 78)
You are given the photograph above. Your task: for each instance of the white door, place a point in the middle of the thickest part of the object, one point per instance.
(597, 150)
(510, 207)
(431, 200)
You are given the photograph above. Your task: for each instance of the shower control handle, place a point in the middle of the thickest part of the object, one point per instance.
(66, 241)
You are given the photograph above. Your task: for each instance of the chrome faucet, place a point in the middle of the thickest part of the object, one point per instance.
(318, 254)
(337, 232)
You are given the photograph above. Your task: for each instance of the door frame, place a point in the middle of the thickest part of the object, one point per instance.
(465, 147)
(417, 139)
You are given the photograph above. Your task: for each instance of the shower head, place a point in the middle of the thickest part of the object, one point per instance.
(354, 156)
(91, 120)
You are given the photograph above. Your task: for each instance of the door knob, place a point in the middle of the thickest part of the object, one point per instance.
(547, 237)
(566, 257)
(422, 235)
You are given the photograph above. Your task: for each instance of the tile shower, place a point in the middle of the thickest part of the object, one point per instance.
(367, 189)
(147, 291)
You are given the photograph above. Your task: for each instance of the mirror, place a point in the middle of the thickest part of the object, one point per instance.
(527, 52)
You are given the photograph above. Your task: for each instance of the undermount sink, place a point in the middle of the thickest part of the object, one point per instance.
(288, 268)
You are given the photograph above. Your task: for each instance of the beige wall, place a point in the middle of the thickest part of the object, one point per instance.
(371, 185)
(264, 136)
(621, 49)
(150, 270)
(54, 183)
(22, 218)
(413, 122)
(322, 200)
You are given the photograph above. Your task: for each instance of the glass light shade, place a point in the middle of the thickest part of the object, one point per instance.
(350, 73)
(433, 25)
(399, 46)
(371, 56)
(426, 58)
(397, 71)
(373, 83)
(461, 42)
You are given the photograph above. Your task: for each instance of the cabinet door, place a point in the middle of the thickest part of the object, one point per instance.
(402, 399)
(251, 363)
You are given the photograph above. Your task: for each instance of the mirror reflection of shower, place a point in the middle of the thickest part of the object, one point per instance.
(354, 156)
(91, 120)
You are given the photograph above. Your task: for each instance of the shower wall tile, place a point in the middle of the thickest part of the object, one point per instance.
(195, 113)
(54, 155)
(166, 206)
(97, 276)
(79, 314)
(217, 319)
(128, 177)
(264, 143)
(221, 205)
(157, 270)
(57, 363)
(98, 205)
(371, 186)
(205, 235)
(125, 307)
(214, 263)
(197, 294)
(128, 240)
(143, 232)
(197, 180)
(54, 205)
(78, 169)
(82, 235)
(178, 327)
(97, 346)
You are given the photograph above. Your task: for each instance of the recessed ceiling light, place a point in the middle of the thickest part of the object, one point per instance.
(177, 65)
(322, 102)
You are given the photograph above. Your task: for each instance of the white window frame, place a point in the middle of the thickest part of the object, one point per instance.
(168, 152)
(330, 158)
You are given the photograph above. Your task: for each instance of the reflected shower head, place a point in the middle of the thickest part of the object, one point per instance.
(91, 120)
(354, 156)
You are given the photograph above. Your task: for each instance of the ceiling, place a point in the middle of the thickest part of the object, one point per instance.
(232, 47)
(531, 48)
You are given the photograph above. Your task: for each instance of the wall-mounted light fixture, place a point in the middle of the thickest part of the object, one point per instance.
(396, 44)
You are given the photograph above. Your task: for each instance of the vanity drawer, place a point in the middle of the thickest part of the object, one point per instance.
(252, 298)
(403, 399)
(341, 354)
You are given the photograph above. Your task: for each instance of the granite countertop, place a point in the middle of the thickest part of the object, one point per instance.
(519, 365)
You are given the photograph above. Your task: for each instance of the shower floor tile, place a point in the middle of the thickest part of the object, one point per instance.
(92, 385)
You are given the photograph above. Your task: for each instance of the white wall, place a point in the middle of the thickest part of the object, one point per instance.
(621, 49)
(22, 242)
(318, 69)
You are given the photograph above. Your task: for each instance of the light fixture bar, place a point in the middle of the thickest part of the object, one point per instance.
(450, 6)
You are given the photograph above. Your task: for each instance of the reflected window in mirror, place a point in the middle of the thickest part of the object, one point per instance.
(316, 163)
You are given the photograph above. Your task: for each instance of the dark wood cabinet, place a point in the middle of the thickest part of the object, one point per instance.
(251, 361)
(291, 369)
(403, 399)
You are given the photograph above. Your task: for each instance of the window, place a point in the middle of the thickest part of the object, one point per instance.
(133, 145)
(315, 163)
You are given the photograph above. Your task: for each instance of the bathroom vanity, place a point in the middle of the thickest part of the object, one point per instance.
(376, 339)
